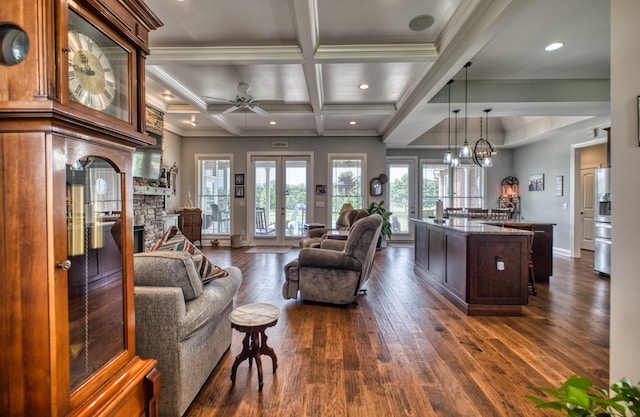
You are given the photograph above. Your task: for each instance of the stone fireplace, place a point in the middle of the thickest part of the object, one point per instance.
(148, 212)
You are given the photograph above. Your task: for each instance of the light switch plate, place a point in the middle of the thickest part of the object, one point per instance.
(319, 203)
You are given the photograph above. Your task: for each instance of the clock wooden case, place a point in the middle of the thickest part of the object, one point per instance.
(71, 114)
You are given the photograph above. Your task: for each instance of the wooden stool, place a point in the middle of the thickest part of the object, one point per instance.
(253, 320)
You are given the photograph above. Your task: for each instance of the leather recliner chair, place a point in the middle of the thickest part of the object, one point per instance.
(346, 219)
(333, 276)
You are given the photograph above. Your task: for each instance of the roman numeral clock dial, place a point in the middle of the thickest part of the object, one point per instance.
(98, 68)
(91, 78)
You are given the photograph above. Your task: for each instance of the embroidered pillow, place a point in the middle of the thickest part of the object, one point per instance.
(174, 240)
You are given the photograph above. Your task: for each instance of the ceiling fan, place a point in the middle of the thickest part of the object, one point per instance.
(243, 100)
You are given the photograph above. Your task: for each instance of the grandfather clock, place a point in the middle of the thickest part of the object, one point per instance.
(71, 114)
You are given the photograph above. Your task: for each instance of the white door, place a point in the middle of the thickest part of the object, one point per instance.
(587, 201)
(401, 201)
(280, 198)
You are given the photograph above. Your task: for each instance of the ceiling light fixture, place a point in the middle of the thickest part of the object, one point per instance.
(167, 96)
(455, 161)
(448, 155)
(363, 86)
(193, 120)
(273, 122)
(465, 151)
(484, 150)
(554, 46)
(353, 122)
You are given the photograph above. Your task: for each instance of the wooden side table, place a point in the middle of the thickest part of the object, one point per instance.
(253, 320)
(190, 224)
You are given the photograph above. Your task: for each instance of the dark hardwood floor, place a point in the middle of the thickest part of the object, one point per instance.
(406, 351)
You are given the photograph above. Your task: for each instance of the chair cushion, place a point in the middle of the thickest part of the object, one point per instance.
(174, 240)
(167, 269)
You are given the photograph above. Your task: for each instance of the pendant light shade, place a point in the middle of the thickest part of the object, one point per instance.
(448, 155)
(455, 160)
(465, 151)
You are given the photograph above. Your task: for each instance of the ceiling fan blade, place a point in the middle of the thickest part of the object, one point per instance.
(231, 109)
(259, 110)
(226, 100)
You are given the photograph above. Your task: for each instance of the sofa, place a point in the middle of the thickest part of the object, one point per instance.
(344, 222)
(181, 323)
(335, 272)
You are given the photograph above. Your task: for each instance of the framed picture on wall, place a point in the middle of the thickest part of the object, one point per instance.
(536, 182)
(239, 179)
(559, 185)
(239, 192)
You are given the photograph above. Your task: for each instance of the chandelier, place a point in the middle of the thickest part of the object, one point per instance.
(484, 150)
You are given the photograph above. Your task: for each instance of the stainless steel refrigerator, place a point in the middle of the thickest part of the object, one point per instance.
(602, 255)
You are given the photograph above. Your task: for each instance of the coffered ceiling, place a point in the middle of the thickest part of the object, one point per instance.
(304, 61)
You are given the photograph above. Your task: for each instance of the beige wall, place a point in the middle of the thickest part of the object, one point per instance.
(625, 171)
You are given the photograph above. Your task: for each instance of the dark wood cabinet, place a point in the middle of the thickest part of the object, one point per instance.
(66, 142)
(543, 251)
(190, 224)
(463, 265)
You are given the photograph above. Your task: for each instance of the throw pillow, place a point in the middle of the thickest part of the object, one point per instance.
(174, 240)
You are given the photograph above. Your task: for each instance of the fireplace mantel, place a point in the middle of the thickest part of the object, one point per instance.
(149, 190)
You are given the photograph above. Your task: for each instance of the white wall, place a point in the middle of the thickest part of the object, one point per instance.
(172, 152)
(625, 188)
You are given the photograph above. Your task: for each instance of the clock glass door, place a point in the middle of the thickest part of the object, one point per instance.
(95, 272)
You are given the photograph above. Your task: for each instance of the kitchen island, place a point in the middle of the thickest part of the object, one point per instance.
(480, 268)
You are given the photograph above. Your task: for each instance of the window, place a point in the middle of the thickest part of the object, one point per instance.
(456, 187)
(347, 185)
(214, 192)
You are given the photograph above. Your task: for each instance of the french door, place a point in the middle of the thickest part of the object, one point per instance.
(280, 198)
(401, 196)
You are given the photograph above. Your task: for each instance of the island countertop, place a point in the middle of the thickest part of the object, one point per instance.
(469, 226)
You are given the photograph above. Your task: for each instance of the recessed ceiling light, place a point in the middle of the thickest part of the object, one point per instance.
(554, 46)
(353, 122)
(363, 86)
(167, 96)
(422, 22)
(273, 122)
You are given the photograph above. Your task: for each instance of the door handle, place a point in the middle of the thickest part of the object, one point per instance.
(66, 265)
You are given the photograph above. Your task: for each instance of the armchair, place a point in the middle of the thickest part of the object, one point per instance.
(346, 219)
(330, 275)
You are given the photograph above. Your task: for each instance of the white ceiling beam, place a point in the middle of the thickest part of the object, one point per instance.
(377, 53)
(227, 54)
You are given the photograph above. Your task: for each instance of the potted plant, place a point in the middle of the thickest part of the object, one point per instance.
(378, 208)
(578, 397)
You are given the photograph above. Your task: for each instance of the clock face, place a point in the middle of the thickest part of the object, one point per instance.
(91, 78)
(99, 68)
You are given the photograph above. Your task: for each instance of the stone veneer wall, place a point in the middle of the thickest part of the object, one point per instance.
(147, 211)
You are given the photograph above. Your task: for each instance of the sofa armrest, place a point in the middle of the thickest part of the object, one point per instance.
(323, 258)
(159, 311)
(333, 244)
(318, 232)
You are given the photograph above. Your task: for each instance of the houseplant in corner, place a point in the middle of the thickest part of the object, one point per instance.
(378, 208)
(578, 397)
